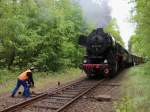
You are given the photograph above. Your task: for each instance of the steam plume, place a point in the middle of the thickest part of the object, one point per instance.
(97, 12)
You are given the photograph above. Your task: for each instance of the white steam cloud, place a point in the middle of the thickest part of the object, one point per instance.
(97, 12)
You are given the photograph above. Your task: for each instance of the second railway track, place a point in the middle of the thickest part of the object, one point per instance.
(57, 100)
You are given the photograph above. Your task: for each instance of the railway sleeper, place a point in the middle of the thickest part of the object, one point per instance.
(65, 95)
(37, 110)
(72, 90)
(83, 85)
(70, 93)
(47, 105)
(81, 88)
(58, 98)
(55, 101)
(113, 84)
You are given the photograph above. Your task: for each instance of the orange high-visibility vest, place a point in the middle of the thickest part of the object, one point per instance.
(23, 76)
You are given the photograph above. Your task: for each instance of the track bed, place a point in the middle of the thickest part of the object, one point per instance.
(60, 99)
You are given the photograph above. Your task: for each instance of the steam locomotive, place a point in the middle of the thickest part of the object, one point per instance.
(104, 56)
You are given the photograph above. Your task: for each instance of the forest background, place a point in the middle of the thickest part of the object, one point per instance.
(43, 34)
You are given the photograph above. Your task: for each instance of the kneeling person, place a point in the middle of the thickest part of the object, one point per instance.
(25, 79)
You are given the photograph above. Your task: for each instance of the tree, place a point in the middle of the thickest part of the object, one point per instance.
(42, 33)
(113, 29)
(140, 41)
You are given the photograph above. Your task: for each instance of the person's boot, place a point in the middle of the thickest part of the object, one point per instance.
(12, 95)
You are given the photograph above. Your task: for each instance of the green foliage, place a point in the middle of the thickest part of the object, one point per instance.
(113, 29)
(42, 79)
(139, 43)
(136, 90)
(42, 33)
(124, 105)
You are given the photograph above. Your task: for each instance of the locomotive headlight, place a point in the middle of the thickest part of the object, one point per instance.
(85, 61)
(105, 61)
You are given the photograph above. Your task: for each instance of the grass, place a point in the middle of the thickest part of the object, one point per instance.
(41, 79)
(136, 89)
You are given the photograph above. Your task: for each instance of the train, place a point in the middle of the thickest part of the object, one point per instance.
(104, 56)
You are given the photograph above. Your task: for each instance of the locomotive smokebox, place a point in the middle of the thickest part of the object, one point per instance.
(97, 43)
(82, 40)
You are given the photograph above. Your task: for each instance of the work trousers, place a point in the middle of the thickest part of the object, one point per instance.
(26, 91)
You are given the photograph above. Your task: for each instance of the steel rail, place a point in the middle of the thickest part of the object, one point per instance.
(24, 103)
(80, 95)
(41, 96)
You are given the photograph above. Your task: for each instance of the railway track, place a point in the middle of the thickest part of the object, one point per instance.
(57, 100)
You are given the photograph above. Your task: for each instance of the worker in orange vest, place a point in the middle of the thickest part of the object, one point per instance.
(26, 80)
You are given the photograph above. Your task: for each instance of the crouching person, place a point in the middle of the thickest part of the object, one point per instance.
(25, 79)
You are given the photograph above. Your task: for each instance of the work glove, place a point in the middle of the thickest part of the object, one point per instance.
(31, 86)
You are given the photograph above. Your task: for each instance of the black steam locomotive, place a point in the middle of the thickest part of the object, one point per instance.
(104, 56)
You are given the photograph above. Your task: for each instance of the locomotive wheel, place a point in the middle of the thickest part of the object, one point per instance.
(114, 67)
(94, 76)
(113, 63)
(90, 76)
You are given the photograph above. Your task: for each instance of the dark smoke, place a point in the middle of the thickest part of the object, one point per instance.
(98, 14)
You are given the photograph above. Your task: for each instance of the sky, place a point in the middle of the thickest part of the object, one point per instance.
(120, 9)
